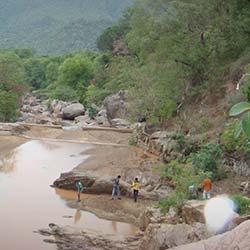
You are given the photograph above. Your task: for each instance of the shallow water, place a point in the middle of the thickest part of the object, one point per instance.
(28, 203)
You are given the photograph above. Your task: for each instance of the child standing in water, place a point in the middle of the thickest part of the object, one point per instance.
(136, 186)
(79, 187)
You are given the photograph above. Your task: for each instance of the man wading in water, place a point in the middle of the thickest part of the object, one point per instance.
(79, 187)
(116, 188)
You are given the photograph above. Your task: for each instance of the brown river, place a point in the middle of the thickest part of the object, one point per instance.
(28, 203)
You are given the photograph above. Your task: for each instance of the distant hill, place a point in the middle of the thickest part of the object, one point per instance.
(56, 26)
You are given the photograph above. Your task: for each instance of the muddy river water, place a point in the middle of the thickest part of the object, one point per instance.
(28, 203)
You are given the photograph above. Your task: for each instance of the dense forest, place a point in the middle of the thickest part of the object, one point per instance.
(56, 27)
(170, 51)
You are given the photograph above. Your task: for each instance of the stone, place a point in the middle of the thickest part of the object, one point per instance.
(116, 105)
(73, 110)
(120, 123)
(245, 187)
(165, 236)
(237, 239)
(99, 185)
(192, 211)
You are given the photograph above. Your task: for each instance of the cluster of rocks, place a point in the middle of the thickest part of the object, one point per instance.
(168, 145)
(167, 231)
(12, 128)
(73, 114)
(158, 231)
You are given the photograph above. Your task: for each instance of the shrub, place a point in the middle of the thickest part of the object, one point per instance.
(8, 106)
(175, 200)
(133, 140)
(64, 93)
(181, 177)
(92, 112)
(243, 204)
(207, 158)
(246, 87)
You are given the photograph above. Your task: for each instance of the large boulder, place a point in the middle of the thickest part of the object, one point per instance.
(116, 105)
(237, 239)
(56, 107)
(193, 211)
(100, 185)
(164, 236)
(73, 110)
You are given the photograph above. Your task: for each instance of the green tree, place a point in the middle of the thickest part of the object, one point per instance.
(76, 73)
(35, 71)
(8, 106)
(11, 73)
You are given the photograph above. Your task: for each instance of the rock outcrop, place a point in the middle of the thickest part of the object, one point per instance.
(165, 236)
(116, 105)
(102, 185)
(68, 238)
(237, 239)
(193, 211)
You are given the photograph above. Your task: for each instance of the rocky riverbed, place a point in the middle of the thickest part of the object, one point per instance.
(109, 154)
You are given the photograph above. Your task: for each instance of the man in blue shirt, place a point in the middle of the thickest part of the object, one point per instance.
(116, 188)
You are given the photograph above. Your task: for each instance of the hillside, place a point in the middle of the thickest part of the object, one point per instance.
(56, 27)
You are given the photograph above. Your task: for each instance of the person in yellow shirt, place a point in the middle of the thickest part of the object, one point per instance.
(136, 186)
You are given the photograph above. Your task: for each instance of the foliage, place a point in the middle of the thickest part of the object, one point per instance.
(11, 73)
(12, 85)
(92, 112)
(232, 143)
(246, 87)
(243, 204)
(57, 27)
(175, 200)
(8, 106)
(35, 71)
(244, 124)
(181, 176)
(175, 58)
(133, 140)
(207, 158)
(64, 93)
(95, 94)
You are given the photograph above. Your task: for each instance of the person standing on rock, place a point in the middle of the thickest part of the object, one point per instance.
(206, 186)
(79, 187)
(136, 186)
(116, 188)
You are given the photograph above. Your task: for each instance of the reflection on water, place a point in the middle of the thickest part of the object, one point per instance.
(8, 163)
(77, 216)
(28, 203)
(84, 219)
